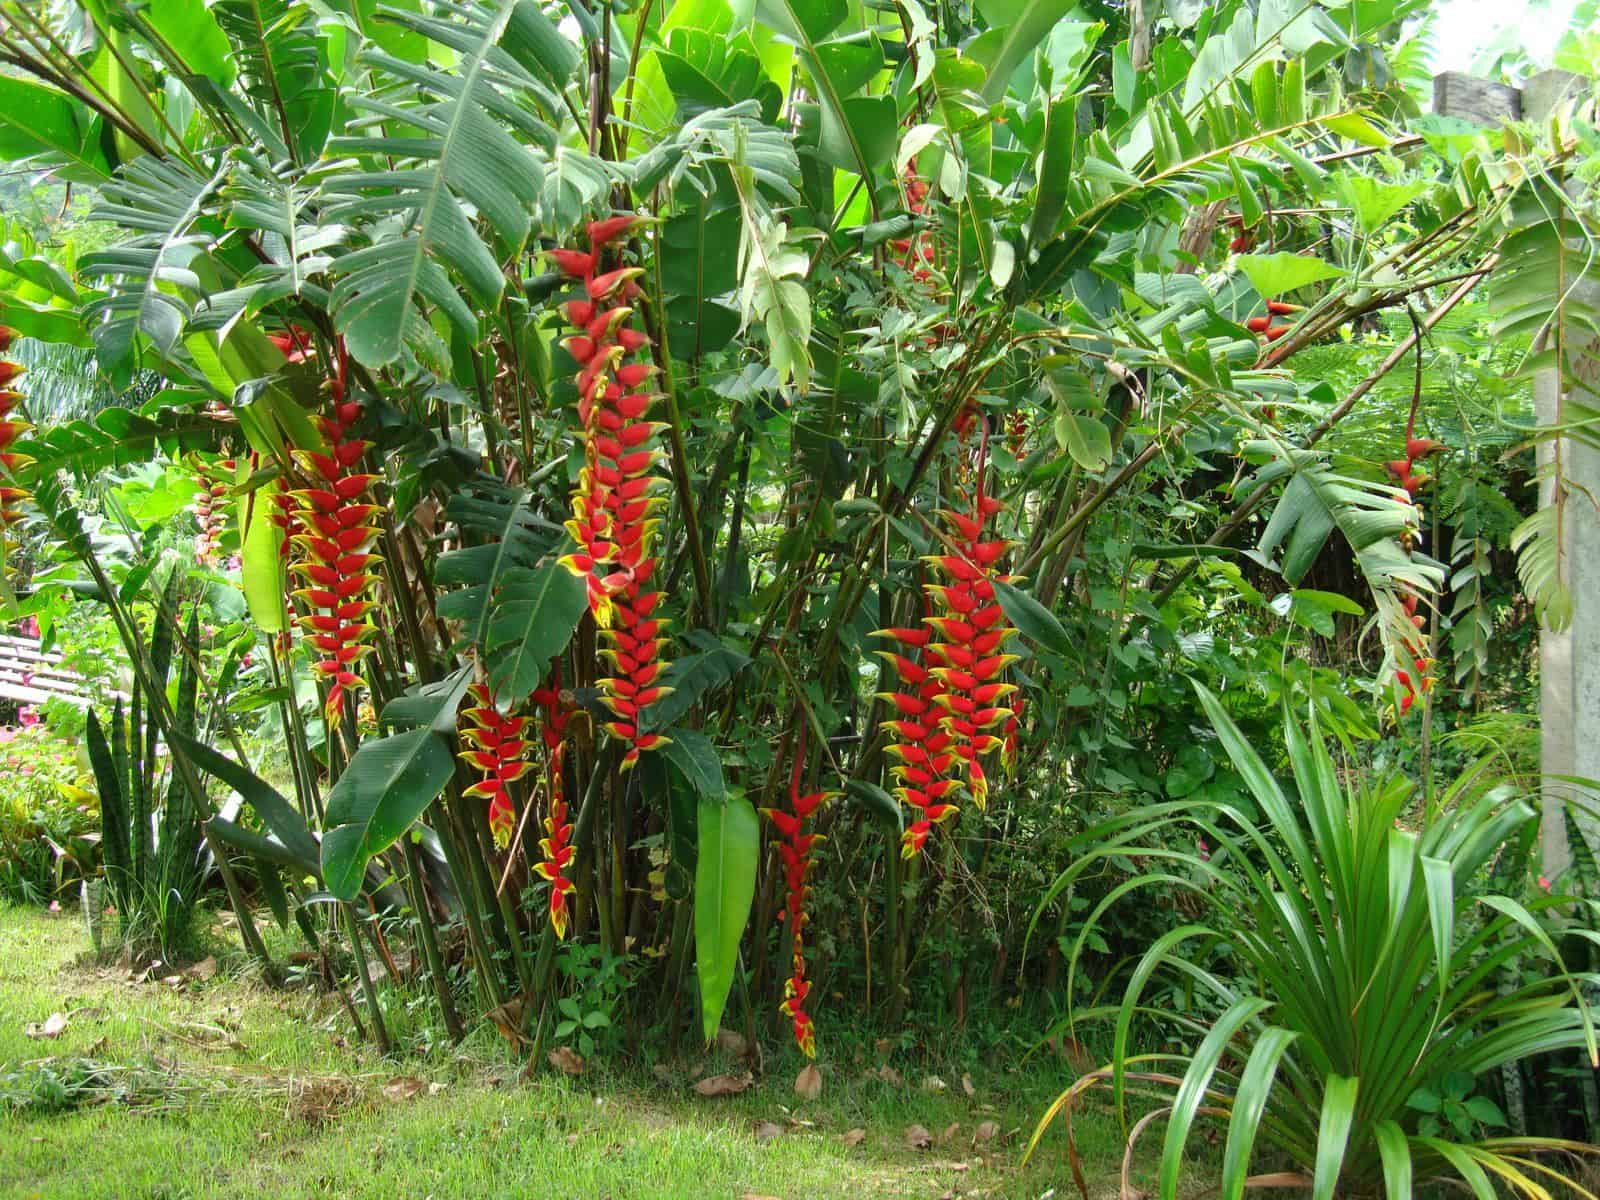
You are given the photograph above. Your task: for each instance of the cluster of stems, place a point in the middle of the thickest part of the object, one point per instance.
(496, 747)
(952, 697)
(337, 530)
(556, 846)
(795, 850)
(618, 492)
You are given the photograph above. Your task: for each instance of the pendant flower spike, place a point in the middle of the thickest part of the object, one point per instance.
(556, 845)
(337, 529)
(10, 430)
(496, 746)
(795, 851)
(953, 696)
(613, 506)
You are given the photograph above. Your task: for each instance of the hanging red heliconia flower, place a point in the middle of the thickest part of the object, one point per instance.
(953, 697)
(496, 746)
(209, 512)
(924, 765)
(795, 851)
(10, 430)
(613, 506)
(337, 530)
(556, 865)
(974, 629)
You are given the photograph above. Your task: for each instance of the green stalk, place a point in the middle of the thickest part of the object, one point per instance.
(368, 990)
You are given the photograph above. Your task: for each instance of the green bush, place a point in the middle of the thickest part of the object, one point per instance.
(49, 821)
(1374, 977)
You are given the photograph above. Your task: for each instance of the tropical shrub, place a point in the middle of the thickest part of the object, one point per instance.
(49, 823)
(569, 414)
(1373, 977)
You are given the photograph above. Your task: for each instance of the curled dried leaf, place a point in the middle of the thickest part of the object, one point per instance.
(808, 1084)
(724, 1085)
(566, 1060)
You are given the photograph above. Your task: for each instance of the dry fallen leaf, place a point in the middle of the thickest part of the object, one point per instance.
(967, 1086)
(918, 1138)
(204, 969)
(566, 1060)
(768, 1130)
(54, 1026)
(403, 1087)
(732, 1043)
(950, 1132)
(756, 1196)
(724, 1085)
(986, 1132)
(172, 981)
(853, 1137)
(933, 1083)
(808, 1084)
(889, 1075)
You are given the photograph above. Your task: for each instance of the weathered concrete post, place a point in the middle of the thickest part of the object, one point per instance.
(1569, 661)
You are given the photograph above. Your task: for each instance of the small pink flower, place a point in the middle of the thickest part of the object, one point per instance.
(1203, 849)
(1544, 883)
(27, 716)
(7, 733)
(30, 627)
(55, 906)
(235, 562)
(27, 768)
(27, 679)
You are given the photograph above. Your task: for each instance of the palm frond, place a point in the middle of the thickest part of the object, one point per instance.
(431, 154)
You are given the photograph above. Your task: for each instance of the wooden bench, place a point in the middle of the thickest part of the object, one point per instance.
(30, 675)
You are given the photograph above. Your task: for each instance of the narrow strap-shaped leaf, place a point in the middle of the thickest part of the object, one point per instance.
(1195, 1082)
(1396, 1155)
(287, 825)
(1249, 1102)
(108, 782)
(1338, 1115)
(1471, 1173)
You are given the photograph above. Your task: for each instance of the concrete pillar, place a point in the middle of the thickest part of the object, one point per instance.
(1569, 660)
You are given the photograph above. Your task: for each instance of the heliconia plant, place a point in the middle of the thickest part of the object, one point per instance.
(954, 695)
(617, 494)
(210, 510)
(496, 747)
(789, 309)
(11, 496)
(794, 850)
(337, 532)
(555, 865)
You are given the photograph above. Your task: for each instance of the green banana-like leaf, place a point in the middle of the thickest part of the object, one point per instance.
(386, 786)
(729, 840)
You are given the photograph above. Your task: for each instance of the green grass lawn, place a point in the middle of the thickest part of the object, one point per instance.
(239, 1090)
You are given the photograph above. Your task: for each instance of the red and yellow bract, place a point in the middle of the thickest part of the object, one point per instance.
(209, 514)
(613, 506)
(10, 430)
(556, 865)
(337, 530)
(496, 747)
(795, 850)
(952, 696)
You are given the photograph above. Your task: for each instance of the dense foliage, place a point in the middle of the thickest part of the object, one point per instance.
(622, 494)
